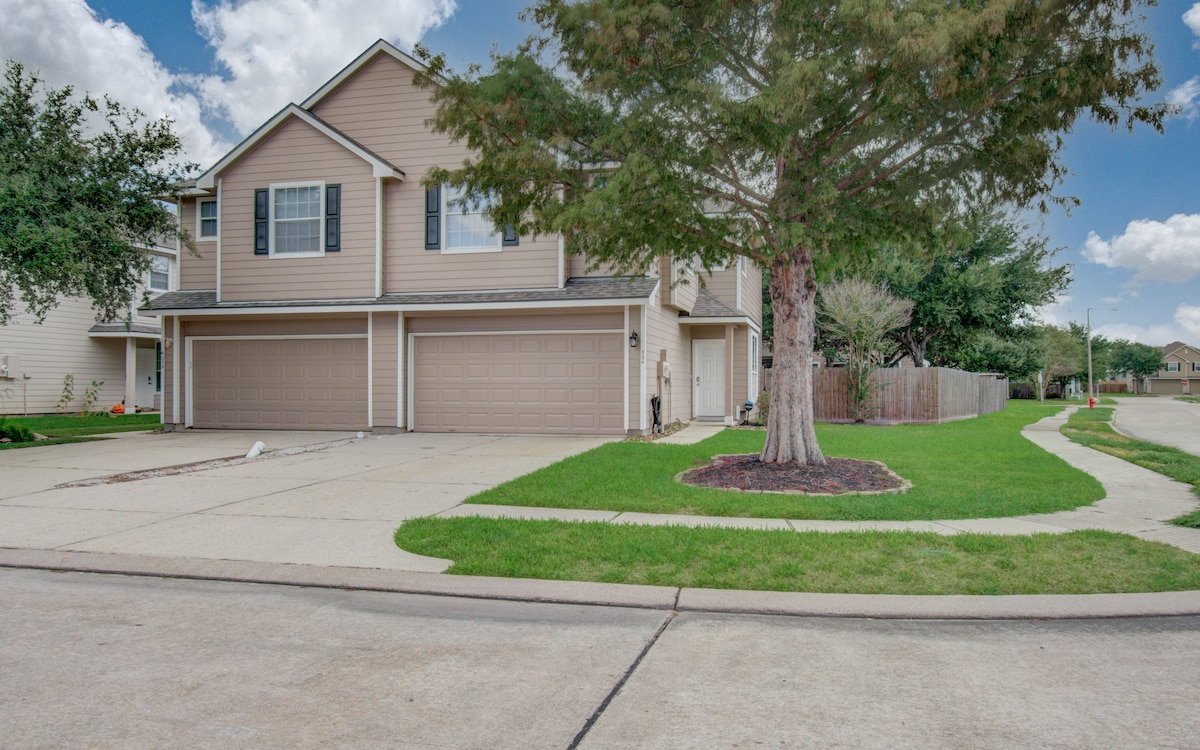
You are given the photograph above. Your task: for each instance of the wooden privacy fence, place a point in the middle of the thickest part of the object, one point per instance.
(918, 395)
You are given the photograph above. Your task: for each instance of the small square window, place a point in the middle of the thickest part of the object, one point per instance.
(1172, 367)
(206, 219)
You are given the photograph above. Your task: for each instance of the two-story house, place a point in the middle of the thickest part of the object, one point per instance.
(1181, 369)
(332, 290)
(125, 356)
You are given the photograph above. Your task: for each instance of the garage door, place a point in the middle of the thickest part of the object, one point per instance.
(280, 384)
(554, 383)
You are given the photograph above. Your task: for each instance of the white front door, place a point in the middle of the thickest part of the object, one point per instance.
(708, 364)
(144, 392)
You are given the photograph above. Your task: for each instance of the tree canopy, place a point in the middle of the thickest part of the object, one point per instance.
(985, 283)
(799, 134)
(79, 186)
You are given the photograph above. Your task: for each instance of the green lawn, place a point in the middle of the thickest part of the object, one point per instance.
(73, 428)
(1090, 427)
(1082, 562)
(976, 468)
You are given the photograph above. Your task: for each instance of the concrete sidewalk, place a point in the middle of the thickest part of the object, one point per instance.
(319, 509)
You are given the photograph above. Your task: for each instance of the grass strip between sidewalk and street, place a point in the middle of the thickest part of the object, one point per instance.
(974, 468)
(1081, 562)
(1092, 428)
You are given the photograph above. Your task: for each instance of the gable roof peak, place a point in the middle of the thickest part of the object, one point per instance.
(380, 47)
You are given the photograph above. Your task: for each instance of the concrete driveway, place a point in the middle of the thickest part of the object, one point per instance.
(1162, 420)
(314, 498)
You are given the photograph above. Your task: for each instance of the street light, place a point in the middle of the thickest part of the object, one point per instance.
(1089, 348)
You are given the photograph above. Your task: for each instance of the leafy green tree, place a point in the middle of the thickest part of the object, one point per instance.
(982, 285)
(1017, 356)
(1139, 360)
(856, 316)
(820, 130)
(79, 183)
(1065, 356)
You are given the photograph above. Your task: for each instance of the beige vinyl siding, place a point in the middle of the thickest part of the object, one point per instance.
(197, 270)
(723, 284)
(385, 384)
(601, 319)
(297, 153)
(268, 325)
(381, 108)
(752, 291)
(665, 333)
(166, 402)
(740, 392)
(48, 351)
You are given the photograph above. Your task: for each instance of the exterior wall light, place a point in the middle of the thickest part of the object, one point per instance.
(633, 340)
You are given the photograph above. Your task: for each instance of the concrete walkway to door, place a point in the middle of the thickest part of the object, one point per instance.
(322, 499)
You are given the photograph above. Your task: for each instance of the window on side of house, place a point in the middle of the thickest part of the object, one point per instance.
(160, 273)
(1172, 367)
(754, 360)
(1196, 367)
(296, 213)
(206, 219)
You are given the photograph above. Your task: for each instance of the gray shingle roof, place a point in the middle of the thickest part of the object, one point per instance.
(708, 306)
(576, 290)
(151, 328)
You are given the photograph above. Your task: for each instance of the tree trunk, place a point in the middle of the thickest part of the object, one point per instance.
(790, 434)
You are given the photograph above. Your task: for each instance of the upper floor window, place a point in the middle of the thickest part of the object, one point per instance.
(160, 273)
(453, 225)
(1172, 367)
(297, 219)
(1196, 367)
(206, 219)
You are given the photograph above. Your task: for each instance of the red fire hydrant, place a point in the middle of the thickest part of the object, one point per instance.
(1091, 402)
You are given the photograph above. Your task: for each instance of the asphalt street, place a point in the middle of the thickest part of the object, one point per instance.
(105, 661)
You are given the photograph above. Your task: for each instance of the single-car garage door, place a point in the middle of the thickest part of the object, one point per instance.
(280, 384)
(552, 383)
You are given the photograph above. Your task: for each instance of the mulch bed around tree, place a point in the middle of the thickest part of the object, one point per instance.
(744, 472)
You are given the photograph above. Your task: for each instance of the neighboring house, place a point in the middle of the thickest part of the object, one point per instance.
(1181, 369)
(333, 291)
(124, 355)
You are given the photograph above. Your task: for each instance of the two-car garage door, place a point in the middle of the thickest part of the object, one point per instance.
(280, 384)
(522, 383)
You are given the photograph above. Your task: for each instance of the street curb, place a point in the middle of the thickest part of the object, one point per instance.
(863, 606)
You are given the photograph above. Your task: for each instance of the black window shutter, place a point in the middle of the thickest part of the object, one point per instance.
(333, 220)
(433, 218)
(262, 202)
(510, 236)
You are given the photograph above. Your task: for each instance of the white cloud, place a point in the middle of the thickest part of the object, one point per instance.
(274, 52)
(1054, 313)
(1184, 96)
(1158, 251)
(1187, 317)
(1111, 300)
(1192, 18)
(67, 44)
(280, 51)
(1155, 335)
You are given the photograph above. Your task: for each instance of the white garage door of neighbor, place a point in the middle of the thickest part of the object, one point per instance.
(523, 383)
(280, 384)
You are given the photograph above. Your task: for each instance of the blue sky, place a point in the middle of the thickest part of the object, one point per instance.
(221, 67)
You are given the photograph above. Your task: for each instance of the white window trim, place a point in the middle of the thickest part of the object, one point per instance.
(320, 185)
(200, 236)
(1175, 368)
(170, 273)
(755, 361)
(447, 207)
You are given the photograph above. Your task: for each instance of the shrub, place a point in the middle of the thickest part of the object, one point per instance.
(15, 432)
